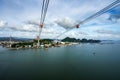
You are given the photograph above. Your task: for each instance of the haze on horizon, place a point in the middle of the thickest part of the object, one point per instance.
(20, 18)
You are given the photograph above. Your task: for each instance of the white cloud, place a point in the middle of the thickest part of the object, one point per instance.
(3, 23)
(66, 23)
(23, 28)
(31, 30)
(63, 12)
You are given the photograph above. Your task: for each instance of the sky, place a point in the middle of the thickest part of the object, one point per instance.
(21, 18)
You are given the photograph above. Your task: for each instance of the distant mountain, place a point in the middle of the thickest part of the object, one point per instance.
(68, 39)
(14, 39)
(110, 41)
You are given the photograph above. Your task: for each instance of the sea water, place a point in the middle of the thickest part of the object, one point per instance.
(77, 62)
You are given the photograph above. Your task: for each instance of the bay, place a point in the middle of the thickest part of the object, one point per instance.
(76, 62)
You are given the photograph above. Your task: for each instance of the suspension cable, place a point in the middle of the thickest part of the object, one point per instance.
(43, 14)
(63, 33)
(42, 18)
(109, 7)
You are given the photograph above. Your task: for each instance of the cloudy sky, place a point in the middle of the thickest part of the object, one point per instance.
(20, 18)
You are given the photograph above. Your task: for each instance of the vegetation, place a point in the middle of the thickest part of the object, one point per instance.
(48, 42)
(44, 41)
(31, 43)
(22, 44)
(67, 39)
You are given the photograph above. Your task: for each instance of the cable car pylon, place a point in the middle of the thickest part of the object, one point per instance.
(42, 19)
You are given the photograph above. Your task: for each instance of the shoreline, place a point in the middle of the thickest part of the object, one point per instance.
(40, 47)
(46, 46)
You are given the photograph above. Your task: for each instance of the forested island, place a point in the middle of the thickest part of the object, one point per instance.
(68, 39)
(46, 43)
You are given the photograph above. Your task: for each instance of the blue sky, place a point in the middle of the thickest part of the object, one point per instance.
(19, 18)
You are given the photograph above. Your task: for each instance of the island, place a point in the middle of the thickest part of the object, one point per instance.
(18, 43)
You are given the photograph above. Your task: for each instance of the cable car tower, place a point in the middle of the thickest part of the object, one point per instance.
(42, 19)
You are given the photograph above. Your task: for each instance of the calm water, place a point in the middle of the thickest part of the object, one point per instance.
(77, 62)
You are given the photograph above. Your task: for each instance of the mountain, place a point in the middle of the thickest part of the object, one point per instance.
(68, 39)
(110, 41)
